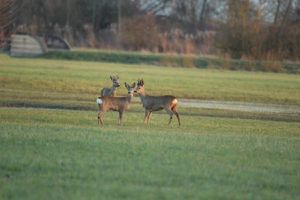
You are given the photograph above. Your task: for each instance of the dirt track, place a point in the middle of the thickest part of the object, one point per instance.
(241, 106)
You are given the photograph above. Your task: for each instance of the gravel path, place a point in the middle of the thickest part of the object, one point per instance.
(241, 106)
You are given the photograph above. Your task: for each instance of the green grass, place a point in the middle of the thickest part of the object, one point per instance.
(70, 82)
(59, 154)
(216, 154)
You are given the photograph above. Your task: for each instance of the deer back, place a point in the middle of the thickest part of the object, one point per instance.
(108, 92)
(158, 102)
(114, 103)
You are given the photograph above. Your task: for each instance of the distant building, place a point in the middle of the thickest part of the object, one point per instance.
(26, 45)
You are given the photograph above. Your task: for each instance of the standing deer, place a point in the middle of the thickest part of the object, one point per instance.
(111, 91)
(156, 103)
(119, 104)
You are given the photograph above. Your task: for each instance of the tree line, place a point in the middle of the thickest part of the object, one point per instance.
(251, 29)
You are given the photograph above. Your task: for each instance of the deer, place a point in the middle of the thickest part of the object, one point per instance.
(119, 104)
(111, 91)
(156, 103)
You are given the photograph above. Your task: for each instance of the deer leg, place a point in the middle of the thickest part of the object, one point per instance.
(149, 116)
(176, 114)
(100, 116)
(146, 116)
(120, 117)
(170, 112)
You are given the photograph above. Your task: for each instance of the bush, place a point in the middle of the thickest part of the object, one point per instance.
(140, 32)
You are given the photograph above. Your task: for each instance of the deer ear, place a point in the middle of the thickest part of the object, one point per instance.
(133, 85)
(126, 85)
(111, 78)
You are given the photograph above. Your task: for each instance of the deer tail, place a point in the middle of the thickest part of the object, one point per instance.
(174, 101)
(99, 101)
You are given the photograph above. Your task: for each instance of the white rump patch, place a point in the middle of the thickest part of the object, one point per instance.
(174, 101)
(99, 101)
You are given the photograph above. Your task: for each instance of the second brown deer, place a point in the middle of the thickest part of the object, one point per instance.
(119, 104)
(156, 103)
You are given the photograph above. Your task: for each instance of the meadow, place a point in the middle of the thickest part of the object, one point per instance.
(51, 146)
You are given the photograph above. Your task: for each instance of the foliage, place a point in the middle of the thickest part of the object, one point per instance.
(247, 33)
(248, 29)
(9, 10)
(140, 32)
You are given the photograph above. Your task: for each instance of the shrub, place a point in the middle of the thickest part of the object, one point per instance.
(140, 32)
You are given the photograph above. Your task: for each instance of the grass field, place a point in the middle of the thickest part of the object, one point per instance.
(73, 82)
(216, 154)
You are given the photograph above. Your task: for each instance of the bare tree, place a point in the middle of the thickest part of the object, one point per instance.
(8, 14)
(191, 15)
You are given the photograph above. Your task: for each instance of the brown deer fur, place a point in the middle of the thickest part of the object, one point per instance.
(119, 104)
(156, 103)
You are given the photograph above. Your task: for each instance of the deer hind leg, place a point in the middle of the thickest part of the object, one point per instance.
(170, 112)
(100, 117)
(174, 110)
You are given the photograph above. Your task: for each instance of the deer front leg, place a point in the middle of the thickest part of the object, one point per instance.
(149, 116)
(120, 117)
(146, 115)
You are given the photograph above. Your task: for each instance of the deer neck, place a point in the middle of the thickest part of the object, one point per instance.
(143, 96)
(129, 97)
(113, 89)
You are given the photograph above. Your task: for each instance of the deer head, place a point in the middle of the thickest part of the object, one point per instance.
(130, 88)
(140, 87)
(115, 80)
